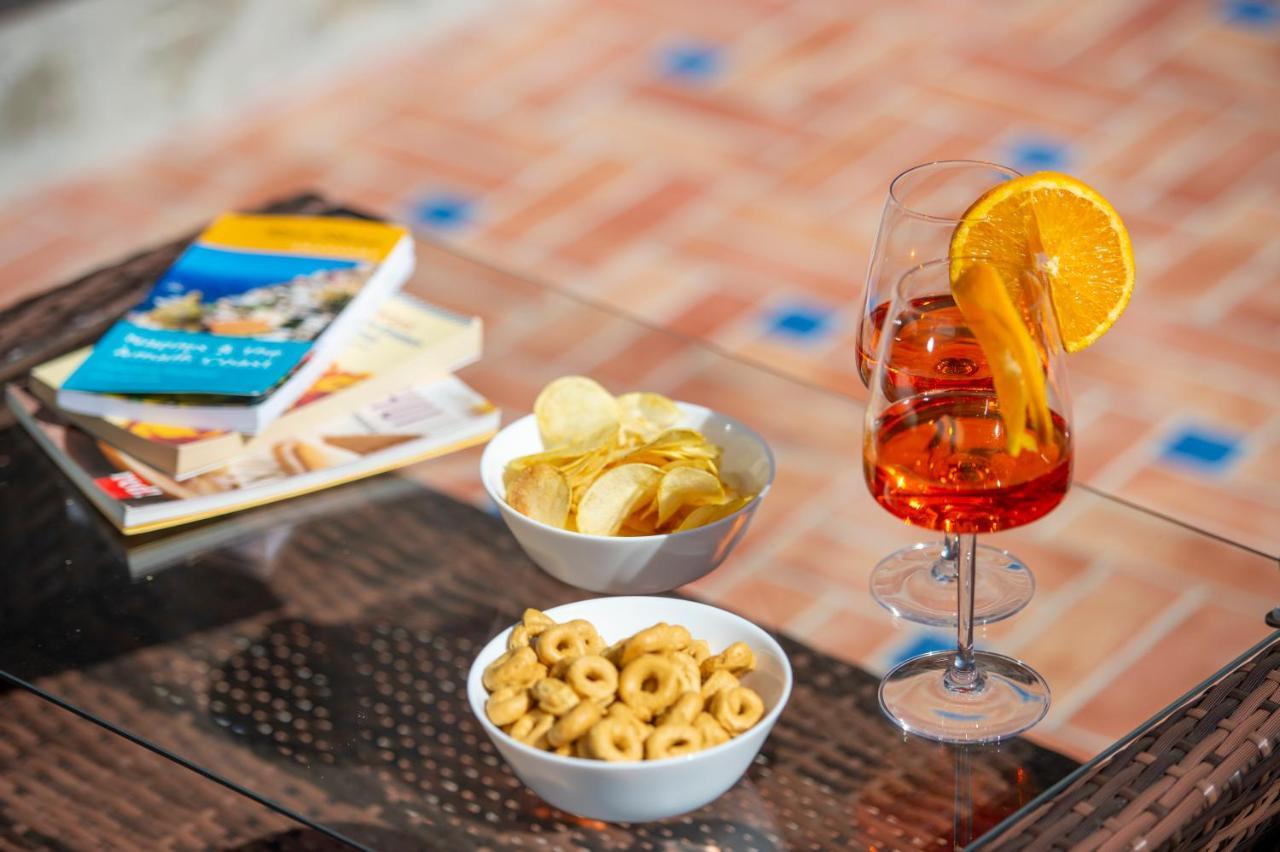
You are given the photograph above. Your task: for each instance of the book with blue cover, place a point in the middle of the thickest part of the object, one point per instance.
(242, 323)
(406, 340)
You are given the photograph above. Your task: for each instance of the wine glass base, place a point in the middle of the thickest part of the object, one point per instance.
(1011, 698)
(917, 584)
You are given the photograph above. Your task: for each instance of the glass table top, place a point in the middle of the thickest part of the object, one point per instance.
(70, 796)
(313, 653)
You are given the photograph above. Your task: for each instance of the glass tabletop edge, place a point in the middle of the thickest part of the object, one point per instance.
(154, 748)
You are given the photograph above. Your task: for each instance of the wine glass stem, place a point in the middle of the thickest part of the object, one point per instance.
(963, 675)
(944, 567)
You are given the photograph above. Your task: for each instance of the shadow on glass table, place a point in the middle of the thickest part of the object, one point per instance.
(69, 600)
(316, 658)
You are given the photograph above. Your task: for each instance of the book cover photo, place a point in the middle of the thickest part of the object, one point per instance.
(406, 340)
(253, 310)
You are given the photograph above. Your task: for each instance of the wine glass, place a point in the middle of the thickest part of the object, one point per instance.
(938, 457)
(922, 209)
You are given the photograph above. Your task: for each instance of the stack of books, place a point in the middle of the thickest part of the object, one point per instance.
(275, 357)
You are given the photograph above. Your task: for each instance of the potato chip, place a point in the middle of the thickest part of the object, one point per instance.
(646, 414)
(687, 486)
(682, 439)
(673, 445)
(704, 515)
(575, 411)
(671, 476)
(558, 459)
(584, 471)
(640, 524)
(542, 493)
(709, 465)
(615, 496)
(684, 444)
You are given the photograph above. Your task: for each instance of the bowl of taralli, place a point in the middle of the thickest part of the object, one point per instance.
(633, 494)
(629, 709)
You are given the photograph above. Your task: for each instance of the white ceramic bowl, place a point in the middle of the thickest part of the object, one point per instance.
(646, 790)
(638, 565)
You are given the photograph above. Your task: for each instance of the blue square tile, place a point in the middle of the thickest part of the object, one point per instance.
(443, 211)
(1202, 448)
(1254, 14)
(690, 61)
(801, 322)
(1038, 154)
(922, 643)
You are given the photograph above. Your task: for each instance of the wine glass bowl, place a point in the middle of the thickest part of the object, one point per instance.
(922, 208)
(939, 460)
(940, 456)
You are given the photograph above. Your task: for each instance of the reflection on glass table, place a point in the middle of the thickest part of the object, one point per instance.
(317, 656)
(65, 777)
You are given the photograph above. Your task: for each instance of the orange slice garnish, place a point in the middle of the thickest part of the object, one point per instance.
(1070, 233)
(1017, 369)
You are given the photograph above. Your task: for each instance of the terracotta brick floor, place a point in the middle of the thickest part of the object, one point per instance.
(719, 169)
(1130, 610)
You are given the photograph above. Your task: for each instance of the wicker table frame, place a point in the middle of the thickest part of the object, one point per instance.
(1206, 775)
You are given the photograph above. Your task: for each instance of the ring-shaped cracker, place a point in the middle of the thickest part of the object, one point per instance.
(574, 724)
(683, 711)
(590, 638)
(519, 637)
(506, 705)
(737, 709)
(687, 672)
(531, 728)
(560, 642)
(648, 685)
(672, 741)
(592, 676)
(658, 639)
(553, 696)
(517, 667)
(536, 621)
(737, 659)
(615, 739)
(719, 681)
(619, 710)
(713, 733)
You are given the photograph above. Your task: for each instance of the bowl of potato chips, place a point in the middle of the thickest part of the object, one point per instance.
(633, 494)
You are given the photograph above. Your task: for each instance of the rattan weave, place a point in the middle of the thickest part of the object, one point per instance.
(1206, 777)
(67, 784)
